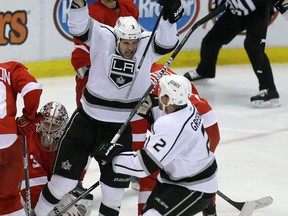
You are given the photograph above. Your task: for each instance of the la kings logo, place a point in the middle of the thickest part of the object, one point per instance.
(122, 71)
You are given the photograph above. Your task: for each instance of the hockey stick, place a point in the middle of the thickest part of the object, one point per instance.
(246, 206)
(172, 57)
(263, 40)
(26, 173)
(67, 207)
(145, 51)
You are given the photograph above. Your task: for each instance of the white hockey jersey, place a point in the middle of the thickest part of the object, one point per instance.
(178, 147)
(109, 96)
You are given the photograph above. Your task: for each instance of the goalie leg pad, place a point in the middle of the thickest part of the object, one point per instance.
(62, 204)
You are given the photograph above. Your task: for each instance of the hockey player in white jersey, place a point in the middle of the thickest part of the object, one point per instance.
(178, 146)
(114, 88)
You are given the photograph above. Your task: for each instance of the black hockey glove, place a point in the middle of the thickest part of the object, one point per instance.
(281, 5)
(107, 151)
(145, 108)
(217, 3)
(173, 10)
(78, 4)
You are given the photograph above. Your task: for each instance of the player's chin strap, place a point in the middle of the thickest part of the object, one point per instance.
(159, 75)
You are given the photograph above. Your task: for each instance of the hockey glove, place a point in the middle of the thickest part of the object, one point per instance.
(83, 71)
(216, 3)
(107, 151)
(173, 10)
(281, 5)
(145, 108)
(26, 126)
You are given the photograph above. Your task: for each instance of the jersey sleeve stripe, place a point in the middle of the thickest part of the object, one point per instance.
(149, 165)
(30, 87)
(202, 176)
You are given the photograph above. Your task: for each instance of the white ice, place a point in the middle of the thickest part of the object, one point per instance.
(252, 154)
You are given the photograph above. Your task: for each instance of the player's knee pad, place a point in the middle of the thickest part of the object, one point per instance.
(60, 185)
(111, 197)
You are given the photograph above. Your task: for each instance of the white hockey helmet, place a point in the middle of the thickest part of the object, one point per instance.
(176, 87)
(52, 127)
(128, 28)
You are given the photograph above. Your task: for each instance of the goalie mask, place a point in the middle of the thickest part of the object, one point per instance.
(176, 87)
(52, 127)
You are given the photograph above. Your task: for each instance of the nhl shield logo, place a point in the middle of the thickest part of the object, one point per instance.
(122, 71)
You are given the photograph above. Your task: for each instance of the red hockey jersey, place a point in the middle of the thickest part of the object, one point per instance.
(14, 79)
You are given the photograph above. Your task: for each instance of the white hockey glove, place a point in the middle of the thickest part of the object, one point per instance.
(83, 71)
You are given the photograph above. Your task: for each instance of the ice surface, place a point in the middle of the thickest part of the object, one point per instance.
(252, 154)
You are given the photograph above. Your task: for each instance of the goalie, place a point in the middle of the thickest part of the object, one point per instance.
(42, 146)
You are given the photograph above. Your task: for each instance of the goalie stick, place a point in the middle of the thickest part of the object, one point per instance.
(247, 207)
(28, 207)
(174, 54)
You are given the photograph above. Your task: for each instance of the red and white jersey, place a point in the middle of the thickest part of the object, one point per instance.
(40, 166)
(105, 15)
(14, 79)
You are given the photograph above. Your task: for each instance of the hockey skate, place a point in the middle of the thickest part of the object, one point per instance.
(192, 75)
(265, 99)
(210, 210)
(79, 189)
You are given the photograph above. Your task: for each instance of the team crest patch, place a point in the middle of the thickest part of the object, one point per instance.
(122, 71)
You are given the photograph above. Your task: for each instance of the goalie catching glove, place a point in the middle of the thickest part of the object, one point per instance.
(107, 151)
(173, 10)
